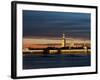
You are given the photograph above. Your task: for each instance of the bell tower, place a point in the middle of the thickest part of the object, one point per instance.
(63, 43)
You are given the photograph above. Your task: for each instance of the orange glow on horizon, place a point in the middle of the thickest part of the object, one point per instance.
(44, 43)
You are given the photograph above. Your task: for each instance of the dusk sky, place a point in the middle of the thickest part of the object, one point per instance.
(53, 24)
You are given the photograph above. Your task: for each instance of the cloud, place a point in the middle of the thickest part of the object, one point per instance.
(46, 23)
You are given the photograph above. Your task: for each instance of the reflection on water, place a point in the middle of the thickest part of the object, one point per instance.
(31, 61)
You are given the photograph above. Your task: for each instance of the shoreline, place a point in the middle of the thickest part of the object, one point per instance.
(62, 51)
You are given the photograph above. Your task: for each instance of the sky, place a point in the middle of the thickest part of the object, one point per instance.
(53, 24)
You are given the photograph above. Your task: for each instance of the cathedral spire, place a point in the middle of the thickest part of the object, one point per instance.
(63, 43)
(63, 35)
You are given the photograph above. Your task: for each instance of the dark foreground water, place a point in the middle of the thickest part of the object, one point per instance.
(55, 61)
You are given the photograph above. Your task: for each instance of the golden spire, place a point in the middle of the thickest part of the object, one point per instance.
(63, 42)
(63, 35)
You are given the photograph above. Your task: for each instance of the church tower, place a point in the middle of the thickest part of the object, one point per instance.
(63, 43)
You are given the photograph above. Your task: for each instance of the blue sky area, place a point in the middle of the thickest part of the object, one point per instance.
(53, 24)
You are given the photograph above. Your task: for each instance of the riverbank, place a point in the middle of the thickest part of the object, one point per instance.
(61, 51)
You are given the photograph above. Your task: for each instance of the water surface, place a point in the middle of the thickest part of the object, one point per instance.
(31, 61)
